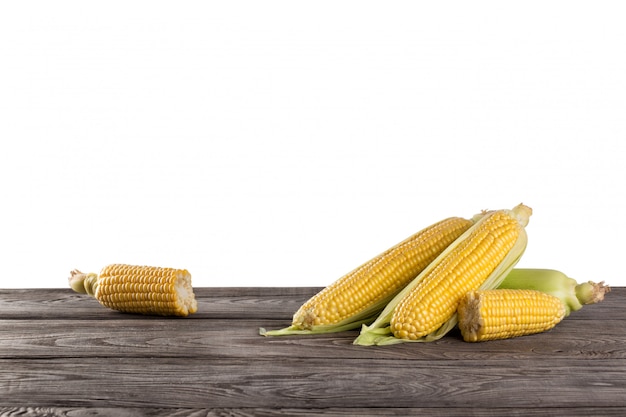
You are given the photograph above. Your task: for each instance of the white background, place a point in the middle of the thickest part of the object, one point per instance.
(284, 143)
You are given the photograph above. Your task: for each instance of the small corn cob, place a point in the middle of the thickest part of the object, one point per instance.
(358, 296)
(425, 309)
(572, 294)
(502, 314)
(139, 289)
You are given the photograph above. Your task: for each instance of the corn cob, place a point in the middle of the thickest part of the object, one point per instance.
(506, 313)
(358, 296)
(425, 309)
(139, 289)
(521, 295)
(572, 294)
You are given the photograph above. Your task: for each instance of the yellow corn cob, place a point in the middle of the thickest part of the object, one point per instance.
(506, 313)
(139, 289)
(572, 294)
(358, 296)
(425, 309)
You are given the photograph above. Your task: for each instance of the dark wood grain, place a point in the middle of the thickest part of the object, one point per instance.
(221, 338)
(219, 302)
(62, 354)
(319, 383)
(326, 412)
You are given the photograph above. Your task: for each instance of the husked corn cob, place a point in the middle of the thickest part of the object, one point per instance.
(426, 309)
(358, 296)
(436, 297)
(507, 313)
(139, 289)
(572, 294)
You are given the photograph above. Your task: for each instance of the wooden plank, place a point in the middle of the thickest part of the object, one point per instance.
(219, 338)
(327, 412)
(220, 302)
(63, 350)
(227, 302)
(310, 383)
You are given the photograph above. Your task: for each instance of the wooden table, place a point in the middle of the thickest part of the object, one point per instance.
(62, 353)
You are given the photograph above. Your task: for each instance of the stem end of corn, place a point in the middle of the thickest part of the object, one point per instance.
(83, 283)
(522, 213)
(591, 292)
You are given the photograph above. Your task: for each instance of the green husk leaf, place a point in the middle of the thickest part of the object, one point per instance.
(354, 322)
